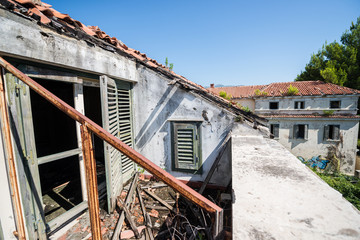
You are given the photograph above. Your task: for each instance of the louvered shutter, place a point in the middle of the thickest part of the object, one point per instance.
(306, 127)
(326, 132)
(336, 133)
(276, 130)
(116, 117)
(186, 146)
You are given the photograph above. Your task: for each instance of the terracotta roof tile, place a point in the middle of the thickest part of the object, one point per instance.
(51, 17)
(306, 88)
(238, 91)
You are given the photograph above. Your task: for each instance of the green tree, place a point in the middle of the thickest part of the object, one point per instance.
(337, 63)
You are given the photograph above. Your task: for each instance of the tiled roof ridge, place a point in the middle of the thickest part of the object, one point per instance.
(49, 17)
(279, 89)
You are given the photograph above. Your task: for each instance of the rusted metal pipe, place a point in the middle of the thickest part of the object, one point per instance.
(5, 129)
(91, 183)
(145, 163)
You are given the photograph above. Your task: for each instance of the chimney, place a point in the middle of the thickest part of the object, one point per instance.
(211, 85)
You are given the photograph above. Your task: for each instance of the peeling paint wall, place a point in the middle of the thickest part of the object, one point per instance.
(316, 145)
(246, 102)
(156, 104)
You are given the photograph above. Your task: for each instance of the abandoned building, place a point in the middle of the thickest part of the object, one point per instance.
(319, 119)
(81, 112)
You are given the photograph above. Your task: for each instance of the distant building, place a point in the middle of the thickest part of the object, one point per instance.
(318, 119)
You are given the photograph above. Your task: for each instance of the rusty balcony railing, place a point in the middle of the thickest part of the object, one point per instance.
(88, 127)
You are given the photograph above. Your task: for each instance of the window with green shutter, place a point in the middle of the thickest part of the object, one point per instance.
(186, 146)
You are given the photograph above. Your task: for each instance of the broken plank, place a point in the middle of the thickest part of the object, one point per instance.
(128, 217)
(153, 195)
(128, 200)
(146, 215)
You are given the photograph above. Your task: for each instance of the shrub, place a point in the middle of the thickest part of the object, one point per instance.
(260, 93)
(344, 185)
(328, 112)
(292, 90)
(224, 95)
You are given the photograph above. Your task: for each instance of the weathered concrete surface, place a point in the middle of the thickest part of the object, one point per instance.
(24, 38)
(277, 197)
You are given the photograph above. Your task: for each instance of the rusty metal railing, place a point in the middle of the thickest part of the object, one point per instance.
(88, 127)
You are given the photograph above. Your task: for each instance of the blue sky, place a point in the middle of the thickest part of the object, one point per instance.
(223, 42)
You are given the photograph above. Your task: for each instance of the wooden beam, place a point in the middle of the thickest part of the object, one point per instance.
(91, 183)
(128, 200)
(156, 197)
(5, 129)
(58, 156)
(147, 218)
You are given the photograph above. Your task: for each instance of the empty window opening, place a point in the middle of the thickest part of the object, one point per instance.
(335, 104)
(274, 105)
(299, 104)
(60, 186)
(274, 130)
(55, 133)
(332, 132)
(300, 131)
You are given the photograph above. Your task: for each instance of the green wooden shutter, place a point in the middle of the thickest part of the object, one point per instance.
(117, 119)
(336, 133)
(326, 132)
(186, 146)
(20, 114)
(276, 130)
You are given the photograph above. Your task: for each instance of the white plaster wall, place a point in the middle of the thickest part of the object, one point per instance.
(6, 213)
(245, 102)
(156, 103)
(312, 104)
(315, 145)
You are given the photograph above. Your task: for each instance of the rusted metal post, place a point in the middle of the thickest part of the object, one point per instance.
(91, 182)
(5, 129)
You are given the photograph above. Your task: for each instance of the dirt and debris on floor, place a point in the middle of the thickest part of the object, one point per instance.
(167, 215)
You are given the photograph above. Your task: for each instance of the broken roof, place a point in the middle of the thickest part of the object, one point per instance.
(306, 88)
(46, 16)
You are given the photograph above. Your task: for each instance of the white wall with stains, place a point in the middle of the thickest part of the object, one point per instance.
(313, 104)
(157, 103)
(316, 145)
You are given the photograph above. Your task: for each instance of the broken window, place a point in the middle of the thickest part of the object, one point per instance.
(335, 104)
(300, 131)
(186, 146)
(299, 105)
(274, 130)
(274, 105)
(331, 132)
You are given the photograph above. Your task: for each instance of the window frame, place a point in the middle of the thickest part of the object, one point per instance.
(335, 101)
(335, 132)
(194, 167)
(296, 128)
(273, 126)
(301, 103)
(274, 102)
